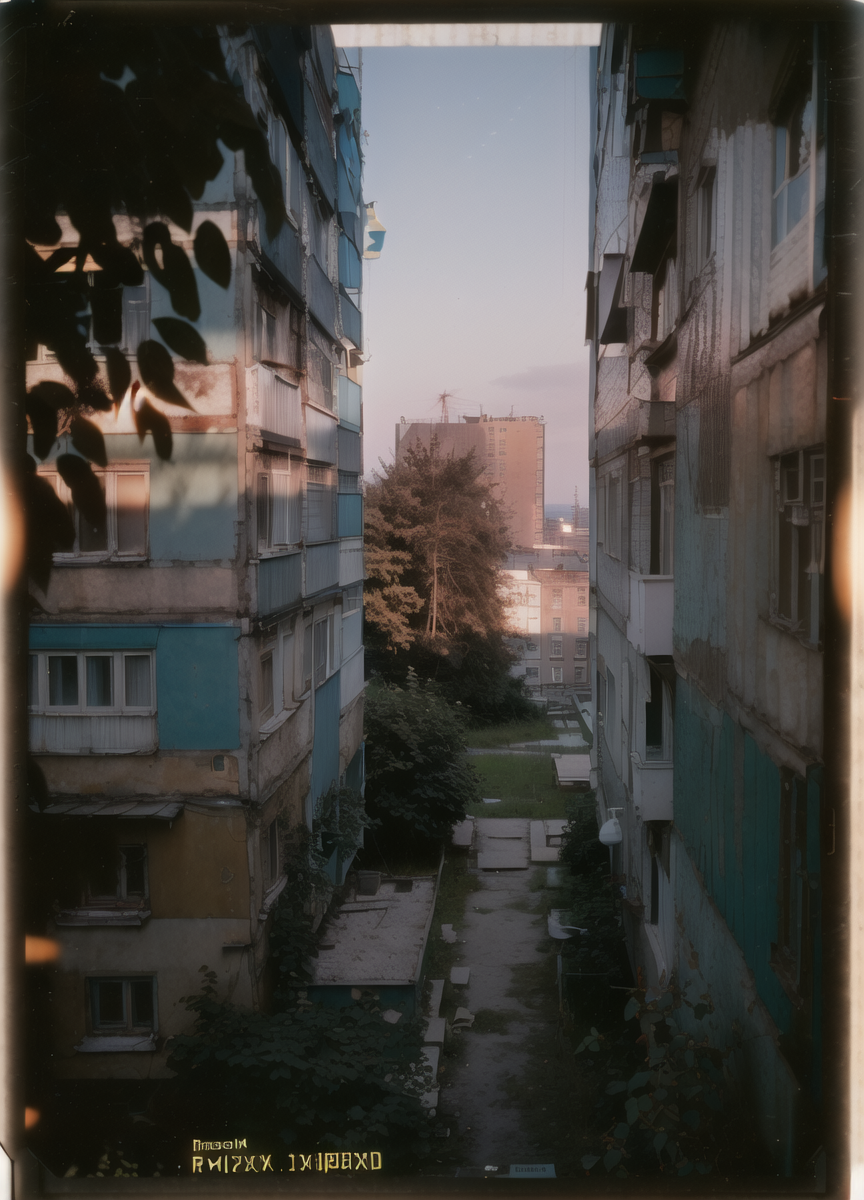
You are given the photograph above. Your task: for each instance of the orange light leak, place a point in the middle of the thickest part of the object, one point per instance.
(31, 1117)
(842, 548)
(11, 536)
(40, 950)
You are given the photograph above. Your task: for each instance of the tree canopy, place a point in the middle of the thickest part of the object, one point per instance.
(436, 538)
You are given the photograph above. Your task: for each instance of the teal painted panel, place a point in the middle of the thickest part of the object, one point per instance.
(93, 637)
(193, 497)
(197, 692)
(746, 891)
(280, 582)
(350, 266)
(349, 93)
(350, 516)
(325, 746)
(217, 324)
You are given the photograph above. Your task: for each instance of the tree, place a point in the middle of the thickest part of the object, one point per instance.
(438, 536)
(418, 780)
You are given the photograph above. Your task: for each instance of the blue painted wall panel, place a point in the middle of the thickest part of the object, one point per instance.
(197, 691)
(350, 516)
(216, 324)
(746, 891)
(93, 637)
(350, 403)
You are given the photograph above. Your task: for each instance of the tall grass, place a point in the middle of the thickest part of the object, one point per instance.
(524, 783)
(538, 729)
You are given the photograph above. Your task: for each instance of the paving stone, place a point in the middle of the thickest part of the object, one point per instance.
(448, 933)
(432, 1054)
(463, 833)
(391, 1016)
(435, 998)
(514, 859)
(460, 975)
(436, 1028)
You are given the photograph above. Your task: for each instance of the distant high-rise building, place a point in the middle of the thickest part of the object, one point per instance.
(512, 449)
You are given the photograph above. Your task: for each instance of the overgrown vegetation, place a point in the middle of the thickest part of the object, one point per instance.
(419, 782)
(457, 884)
(306, 1073)
(511, 733)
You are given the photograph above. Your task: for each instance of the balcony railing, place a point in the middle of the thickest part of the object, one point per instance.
(652, 600)
(652, 788)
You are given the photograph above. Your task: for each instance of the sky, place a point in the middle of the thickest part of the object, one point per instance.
(477, 161)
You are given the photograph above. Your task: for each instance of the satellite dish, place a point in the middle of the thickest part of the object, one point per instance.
(610, 832)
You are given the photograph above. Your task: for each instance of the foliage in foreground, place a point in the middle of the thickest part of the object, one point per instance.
(307, 1073)
(673, 1113)
(418, 780)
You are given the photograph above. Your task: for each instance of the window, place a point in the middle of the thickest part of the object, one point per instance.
(557, 674)
(582, 600)
(555, 648)
(320, 504)
(799, 484)
(664, 311)
(123, 532)
(532, 672)
(792, 151)
(613, 516)
(287, 670)
(581, 622)
(326, 648)
(279, 509)
(265, 687)
(118, 877)
(580, 674)
(601, 512)
(121, 1006)
(101, 683)
(352, 598)
(264, 334)
(556, 624)
(663, 516)
(319, 234)
(705, 216)
(319, 376)
(581, 650)
(557, 598)
(277, 140)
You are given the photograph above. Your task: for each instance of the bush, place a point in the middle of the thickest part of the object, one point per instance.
(418, 779)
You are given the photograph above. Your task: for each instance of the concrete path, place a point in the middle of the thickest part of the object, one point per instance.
(500, 947)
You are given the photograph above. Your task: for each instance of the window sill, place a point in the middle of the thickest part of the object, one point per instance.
(95, 916)
(274, 723)
(793, 631)
(99, 560)
(120, 1044)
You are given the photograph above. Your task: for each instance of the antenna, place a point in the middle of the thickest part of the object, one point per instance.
(442, 400)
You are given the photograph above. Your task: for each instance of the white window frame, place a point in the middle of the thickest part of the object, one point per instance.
(109, 476)
(117, 708)
(279, 512)
(129, 1027)
(557, 674)
(556, 647)
(706, 215)
(800, 506)
(266, 694)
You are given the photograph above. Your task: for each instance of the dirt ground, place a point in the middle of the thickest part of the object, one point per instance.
(509, 1086)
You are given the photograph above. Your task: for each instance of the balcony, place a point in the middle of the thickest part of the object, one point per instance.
(652, 600)
(652, 788)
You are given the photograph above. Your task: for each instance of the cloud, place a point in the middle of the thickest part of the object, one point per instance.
(563, 375)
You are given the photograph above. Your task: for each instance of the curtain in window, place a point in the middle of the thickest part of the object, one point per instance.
(137, 672)
(62, 679)
(100, 692)
(131, 509)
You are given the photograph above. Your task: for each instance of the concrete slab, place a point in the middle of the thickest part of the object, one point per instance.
(546, 840)
(448, 933)
(391, 1016)
(436, 997)
(571, 769)
(460, 975)
(436, 1028)
(430, 1099)
(464, 1018)
(432, 1054)
(514, 859)
(502, 827)
(463, 833)
(487, 801)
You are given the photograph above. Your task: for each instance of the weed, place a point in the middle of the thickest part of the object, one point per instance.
(457, 883)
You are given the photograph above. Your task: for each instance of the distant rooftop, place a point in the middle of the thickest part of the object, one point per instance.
(546, 558)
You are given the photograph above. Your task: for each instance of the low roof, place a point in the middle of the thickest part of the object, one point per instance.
(572, 768)
(132, 807)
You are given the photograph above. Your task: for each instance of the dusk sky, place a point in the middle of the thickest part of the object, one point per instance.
(477, 161)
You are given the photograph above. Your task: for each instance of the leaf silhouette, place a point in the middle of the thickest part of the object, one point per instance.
(150, 420)
(174, 272)
(106, 305)
(119, 373)
(183, 339)
(88, 440)
(212, 253)
(50, 527)
(86, 490)
(43, 418)
(157, 373)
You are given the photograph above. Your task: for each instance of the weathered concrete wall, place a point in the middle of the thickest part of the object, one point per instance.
(186, 774)
(198, 867)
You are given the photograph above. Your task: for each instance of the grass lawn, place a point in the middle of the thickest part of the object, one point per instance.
(537, 730)
(524, 783)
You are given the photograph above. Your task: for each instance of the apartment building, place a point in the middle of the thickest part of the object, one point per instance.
(196, 672)
(711, 298)
(549, 612)
(512, 450)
